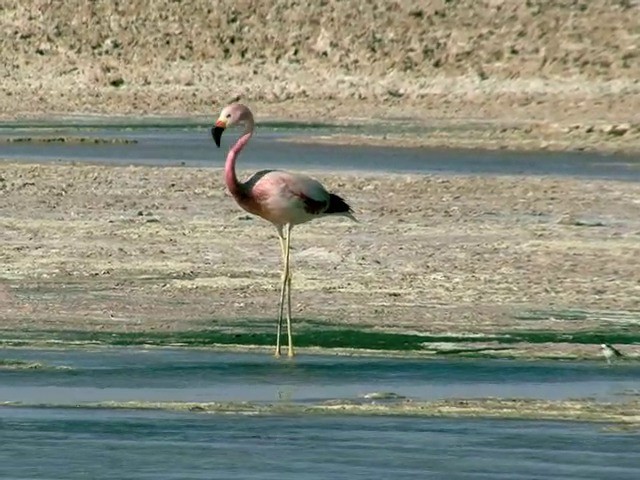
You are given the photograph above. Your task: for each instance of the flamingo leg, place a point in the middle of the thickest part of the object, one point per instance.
(288, 285)
(281, 307)
(286, 289)
(289, 334)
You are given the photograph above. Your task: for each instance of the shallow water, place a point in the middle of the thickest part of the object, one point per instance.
(102, 444)
(126, 374)
(73, 443)
(193, 147)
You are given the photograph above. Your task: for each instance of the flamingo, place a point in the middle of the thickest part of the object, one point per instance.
(282, 198)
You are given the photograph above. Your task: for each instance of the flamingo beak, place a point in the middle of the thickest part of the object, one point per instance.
(216, 131)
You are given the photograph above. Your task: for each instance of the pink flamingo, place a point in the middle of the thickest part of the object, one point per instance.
(282, 198)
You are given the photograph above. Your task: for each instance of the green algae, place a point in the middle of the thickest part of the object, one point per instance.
(629, 317)
(322, 336)
(326, 338)
(618, 336)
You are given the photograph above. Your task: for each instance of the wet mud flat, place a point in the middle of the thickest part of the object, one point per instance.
(543, 266)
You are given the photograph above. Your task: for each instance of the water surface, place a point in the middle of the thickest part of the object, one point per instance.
(102, 444)
(63, 441)
(192, 146)
(164, 374)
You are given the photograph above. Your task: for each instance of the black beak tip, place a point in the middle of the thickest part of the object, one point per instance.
(216, 133)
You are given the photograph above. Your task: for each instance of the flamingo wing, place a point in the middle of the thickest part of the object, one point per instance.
(314, 197)
(283, 197)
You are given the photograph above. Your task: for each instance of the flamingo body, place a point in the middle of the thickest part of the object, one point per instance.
(286, 198)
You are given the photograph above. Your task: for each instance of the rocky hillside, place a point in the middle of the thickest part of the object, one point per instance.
(280, 49)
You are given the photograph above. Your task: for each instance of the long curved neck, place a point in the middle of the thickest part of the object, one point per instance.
(230, 177)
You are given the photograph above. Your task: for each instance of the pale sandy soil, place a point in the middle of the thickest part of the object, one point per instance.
(138, 248)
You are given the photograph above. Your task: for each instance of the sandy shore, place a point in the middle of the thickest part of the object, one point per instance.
(128, 249)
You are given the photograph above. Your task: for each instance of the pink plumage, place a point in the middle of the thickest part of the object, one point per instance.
(282, 198)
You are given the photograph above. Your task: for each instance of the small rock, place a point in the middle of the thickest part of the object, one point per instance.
(109, 45)
(323, 43)
(616, 130)
(116, 81)
(44, 48)
(569, 128)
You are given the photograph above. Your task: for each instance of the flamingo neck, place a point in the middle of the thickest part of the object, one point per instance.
(230, 177)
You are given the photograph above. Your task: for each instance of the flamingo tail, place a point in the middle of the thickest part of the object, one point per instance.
(337, 206)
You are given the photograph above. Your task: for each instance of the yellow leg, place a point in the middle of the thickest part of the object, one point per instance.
(288, 284)
(289, 314)
(282, 292)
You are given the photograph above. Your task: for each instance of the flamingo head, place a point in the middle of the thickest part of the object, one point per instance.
(231, 115)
